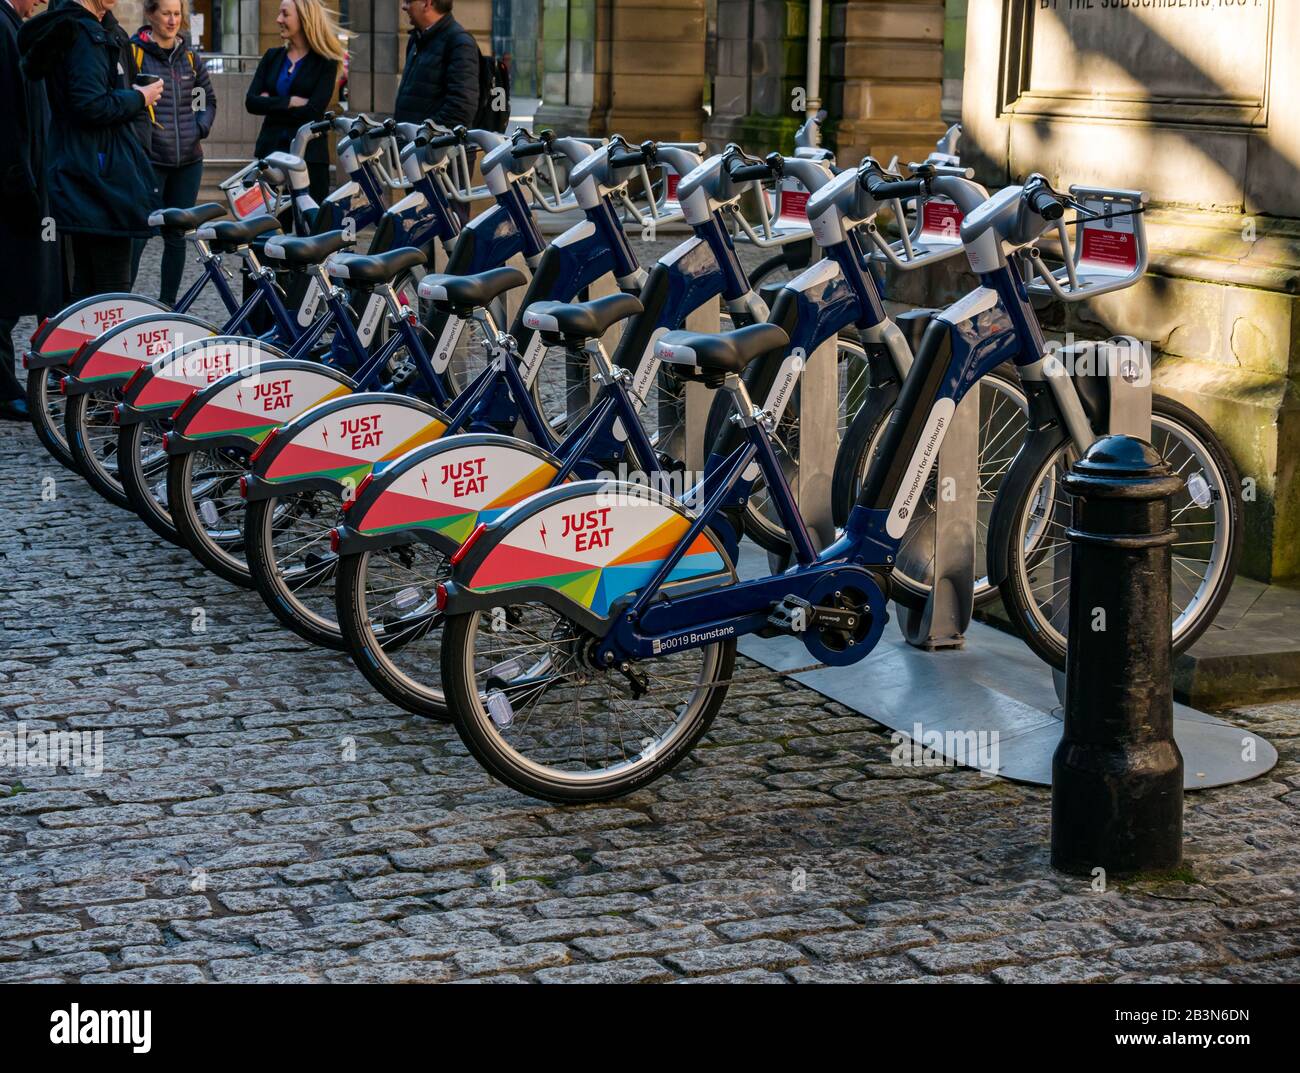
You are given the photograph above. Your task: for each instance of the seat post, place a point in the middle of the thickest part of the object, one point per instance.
(602, 372)
(746, 414)
(205, 251)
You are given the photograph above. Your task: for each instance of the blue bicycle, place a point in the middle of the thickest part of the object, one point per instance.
(591, 630)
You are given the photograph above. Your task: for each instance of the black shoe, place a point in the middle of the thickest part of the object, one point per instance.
(15, 410)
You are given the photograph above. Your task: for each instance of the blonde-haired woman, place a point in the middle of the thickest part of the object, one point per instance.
(294, 83)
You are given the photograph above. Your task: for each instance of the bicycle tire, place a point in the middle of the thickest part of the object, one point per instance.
(77, 430)
(273, 586)
(506, 765)
(1007, 540)
(139, 485)
(224, 561)
(369, 653)
(45, 409)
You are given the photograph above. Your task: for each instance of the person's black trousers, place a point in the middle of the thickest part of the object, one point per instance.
(100, 264)
(10, 388)
(318, 181)
(180, 189)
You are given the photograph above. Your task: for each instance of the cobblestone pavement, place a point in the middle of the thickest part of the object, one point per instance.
(264, 816)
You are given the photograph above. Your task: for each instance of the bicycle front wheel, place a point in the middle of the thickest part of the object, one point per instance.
(1205, 516)
(1003, 421)
(533, 709)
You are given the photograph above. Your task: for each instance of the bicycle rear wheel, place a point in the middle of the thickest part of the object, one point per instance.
(287, 549)
(46, 404)
(93, 442)
(142, 469)
(538, 715)
(386, 605)
(207, 509)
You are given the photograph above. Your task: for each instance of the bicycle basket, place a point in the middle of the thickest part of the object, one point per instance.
(1107, 251)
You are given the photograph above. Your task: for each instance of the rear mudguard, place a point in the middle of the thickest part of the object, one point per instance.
(158, 390)
(240, 410)
(58, 338)
(440, 492)
(334, 446)
(114, 357)
(583, 549)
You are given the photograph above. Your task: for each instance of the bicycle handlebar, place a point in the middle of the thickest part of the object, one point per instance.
(1045, 201)
(441, 141)
(642, 155)
(882, 189)
(521, 149)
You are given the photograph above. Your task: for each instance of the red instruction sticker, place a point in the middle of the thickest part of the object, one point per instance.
(794, 200)
(673, 179)
(939, 216)
(1109, 242)
(250, 202)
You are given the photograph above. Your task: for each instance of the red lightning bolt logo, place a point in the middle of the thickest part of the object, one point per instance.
(239, 396)
(325, 436)
(424, 480)
(542, 531)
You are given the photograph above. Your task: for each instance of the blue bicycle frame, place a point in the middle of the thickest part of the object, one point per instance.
(989, 326)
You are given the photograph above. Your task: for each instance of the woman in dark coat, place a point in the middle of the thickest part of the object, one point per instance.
(30, 278)
(101, 184)
(293, 84)
(181, 120)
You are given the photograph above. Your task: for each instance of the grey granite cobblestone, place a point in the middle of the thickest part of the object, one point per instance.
(228, 839)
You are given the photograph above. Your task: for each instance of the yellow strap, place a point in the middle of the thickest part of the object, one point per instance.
(138, 53)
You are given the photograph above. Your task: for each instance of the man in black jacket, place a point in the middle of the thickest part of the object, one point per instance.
(440, 81)
(30, 283)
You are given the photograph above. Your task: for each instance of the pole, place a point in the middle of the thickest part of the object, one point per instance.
(1117, 775)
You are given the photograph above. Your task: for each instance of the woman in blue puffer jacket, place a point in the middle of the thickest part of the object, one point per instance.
(178, 124)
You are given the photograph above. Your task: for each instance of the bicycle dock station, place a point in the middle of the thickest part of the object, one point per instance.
(958, 673)
(938, 669)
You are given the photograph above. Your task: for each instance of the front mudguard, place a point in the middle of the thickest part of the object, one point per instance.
(59, 337)
(584, 549)
(333, 447)
(114, 357)
(157, 391)
(240, 410)
(1044, 438)
(439, 493)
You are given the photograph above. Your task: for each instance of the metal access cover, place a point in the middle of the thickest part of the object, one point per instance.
(993, 684)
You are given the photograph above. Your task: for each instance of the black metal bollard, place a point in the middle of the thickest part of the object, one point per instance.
(1117, 775)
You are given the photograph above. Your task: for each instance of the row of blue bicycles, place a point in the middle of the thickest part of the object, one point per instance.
(446, 458)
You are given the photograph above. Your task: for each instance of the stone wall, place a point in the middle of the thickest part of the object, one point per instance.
(1194, 105)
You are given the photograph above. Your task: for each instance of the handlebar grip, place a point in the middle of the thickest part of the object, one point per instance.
(443, 141)
(883, 189)
(321, 126)
(526, 149)
(633, 158)
(746, 172)
(1046, 204)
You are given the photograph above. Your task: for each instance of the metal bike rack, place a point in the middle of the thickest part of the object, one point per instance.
(943, 621)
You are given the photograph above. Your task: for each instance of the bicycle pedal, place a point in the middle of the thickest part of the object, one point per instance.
(795, 615)
(791, 615)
